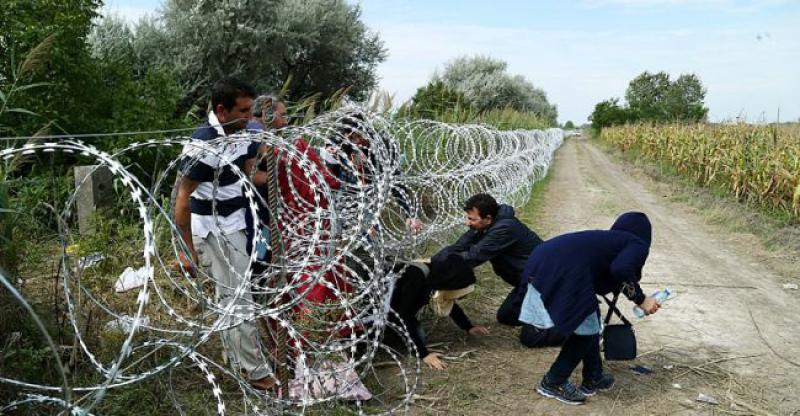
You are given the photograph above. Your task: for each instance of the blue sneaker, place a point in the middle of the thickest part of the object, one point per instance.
(565, 392)
(604, 383)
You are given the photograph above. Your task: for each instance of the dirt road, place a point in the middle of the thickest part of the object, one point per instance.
(731, 332)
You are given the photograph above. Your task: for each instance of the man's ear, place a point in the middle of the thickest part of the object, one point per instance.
(219, 111)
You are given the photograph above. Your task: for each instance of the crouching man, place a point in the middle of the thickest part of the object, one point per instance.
(497, 236)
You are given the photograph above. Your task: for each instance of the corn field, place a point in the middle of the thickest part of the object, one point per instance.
(760, 165)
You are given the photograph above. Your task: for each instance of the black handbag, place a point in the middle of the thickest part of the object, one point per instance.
(619, 340)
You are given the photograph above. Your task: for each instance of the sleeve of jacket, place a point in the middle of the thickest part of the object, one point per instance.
(460, 318)
(462, 244)
(412, 325)
(626, 269)
(497, 238)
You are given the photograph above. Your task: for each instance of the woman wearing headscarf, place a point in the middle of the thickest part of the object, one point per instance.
(564, 276)
(440, 283)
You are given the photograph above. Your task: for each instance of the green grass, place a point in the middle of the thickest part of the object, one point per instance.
(529, 213)
(501, 118)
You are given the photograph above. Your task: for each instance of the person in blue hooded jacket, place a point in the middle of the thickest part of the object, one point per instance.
(564, 275)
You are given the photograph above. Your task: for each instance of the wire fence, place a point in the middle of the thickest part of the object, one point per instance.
(349, 199)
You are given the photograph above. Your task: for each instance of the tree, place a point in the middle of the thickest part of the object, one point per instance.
(486, 85)
(609, 113)
(569, 125)
(653, 97)
(324, 46)
(66, 98)
(321, 44)
(685, 99)
(647, 96)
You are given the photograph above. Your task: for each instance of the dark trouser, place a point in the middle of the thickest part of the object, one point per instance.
(577, 348)
(533, 337)
(508, 314)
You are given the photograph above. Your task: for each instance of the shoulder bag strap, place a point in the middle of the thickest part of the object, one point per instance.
(612, 309)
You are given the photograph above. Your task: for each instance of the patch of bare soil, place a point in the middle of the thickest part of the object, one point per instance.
(731, 331)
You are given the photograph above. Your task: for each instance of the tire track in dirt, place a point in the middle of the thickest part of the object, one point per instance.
(703, 339)
(687, 255)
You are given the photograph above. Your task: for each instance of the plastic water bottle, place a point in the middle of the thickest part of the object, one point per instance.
(659, 296)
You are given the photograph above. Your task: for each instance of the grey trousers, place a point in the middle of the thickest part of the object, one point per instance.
(217, 257)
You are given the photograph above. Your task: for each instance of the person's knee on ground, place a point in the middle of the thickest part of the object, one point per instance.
(508, 313)
(505, 316)
(533, 337)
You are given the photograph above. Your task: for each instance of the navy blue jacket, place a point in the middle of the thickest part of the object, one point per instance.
(506, 244)
(571, 269)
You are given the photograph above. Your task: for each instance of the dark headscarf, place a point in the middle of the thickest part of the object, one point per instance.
(635, 223)
(450, 272)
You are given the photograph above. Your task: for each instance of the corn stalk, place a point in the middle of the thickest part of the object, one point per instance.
(759, 165)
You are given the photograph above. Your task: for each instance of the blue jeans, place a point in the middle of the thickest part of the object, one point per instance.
(534, 313)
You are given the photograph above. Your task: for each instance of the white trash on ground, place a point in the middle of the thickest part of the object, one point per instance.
(125, 323)
(329, 379)
(130, 279)
(706, 399)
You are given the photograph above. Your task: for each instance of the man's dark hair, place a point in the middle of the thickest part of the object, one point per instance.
(227, 90)
(484, 203)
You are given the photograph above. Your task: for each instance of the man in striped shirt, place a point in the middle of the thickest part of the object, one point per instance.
(210, 215)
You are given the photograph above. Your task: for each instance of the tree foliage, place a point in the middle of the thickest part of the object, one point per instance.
(326, 47)
(108, 75)
(685, 99)
(609, 113)
(139, 97)
(655, 98)
(485, 84)
(56, 31)
(321, 45)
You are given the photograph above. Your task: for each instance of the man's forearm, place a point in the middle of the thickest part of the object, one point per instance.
(257, 176)
(183, 216)
(183, 220)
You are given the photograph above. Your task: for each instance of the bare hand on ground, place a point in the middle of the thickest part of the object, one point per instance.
(479, 331)
(433, 361)
(650, 305)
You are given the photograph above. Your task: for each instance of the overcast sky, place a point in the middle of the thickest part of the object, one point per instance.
(747, 53)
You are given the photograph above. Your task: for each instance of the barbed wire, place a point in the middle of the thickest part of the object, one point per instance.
(360, 194)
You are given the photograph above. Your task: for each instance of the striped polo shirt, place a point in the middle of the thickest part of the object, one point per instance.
(219, 209)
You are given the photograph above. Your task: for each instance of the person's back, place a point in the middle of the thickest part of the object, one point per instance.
(584, 254)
